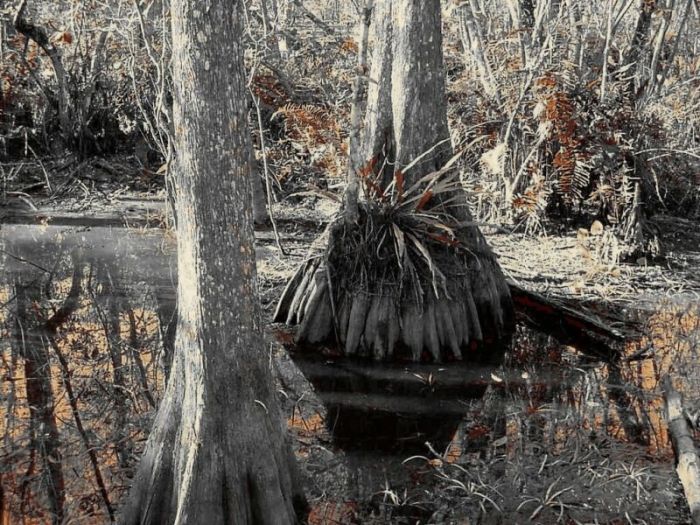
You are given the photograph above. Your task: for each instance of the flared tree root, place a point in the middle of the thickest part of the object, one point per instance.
(384, 290)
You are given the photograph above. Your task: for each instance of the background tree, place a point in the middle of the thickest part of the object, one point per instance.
(408, 271)
(217, 452)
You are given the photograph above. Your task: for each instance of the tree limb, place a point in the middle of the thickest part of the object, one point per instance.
(38, 35)
(688, 464)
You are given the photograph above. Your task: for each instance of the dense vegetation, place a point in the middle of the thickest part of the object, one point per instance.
(567, 117)
(566, 111)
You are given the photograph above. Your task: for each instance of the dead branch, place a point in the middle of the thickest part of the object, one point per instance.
(38, 35)
(567, 323)
(688, 464)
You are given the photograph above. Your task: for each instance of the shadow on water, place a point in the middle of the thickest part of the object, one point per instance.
(397, 408)
(392, 408)
(83, 367)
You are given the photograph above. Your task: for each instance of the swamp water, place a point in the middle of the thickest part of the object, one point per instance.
(552, 434)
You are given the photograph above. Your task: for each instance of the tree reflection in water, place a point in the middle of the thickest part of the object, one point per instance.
(87, 324)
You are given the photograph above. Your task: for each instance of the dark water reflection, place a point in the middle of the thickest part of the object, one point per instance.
(79, 390)
(87, 326)
(397, 408)
(369, 405)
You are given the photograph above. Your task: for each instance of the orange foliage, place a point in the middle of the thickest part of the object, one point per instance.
(334, 513)
(349, 45)
(307, 426)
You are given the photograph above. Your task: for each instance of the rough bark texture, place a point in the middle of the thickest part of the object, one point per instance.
(392, 308)
(359, 100)
(418, 101)
(377, 135)
(217, 452)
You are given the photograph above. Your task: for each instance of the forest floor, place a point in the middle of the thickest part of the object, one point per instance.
(563, 439)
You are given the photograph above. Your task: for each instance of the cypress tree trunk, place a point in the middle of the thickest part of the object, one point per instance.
(217, 452)
(412, 278)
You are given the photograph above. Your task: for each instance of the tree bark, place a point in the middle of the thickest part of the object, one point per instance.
(217, 452)
(419, 103)
(358, 101)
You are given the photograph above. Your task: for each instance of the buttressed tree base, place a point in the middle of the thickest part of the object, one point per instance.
(218, 451)
(403, 272)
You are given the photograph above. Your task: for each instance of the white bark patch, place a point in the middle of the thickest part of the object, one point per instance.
(189, 343)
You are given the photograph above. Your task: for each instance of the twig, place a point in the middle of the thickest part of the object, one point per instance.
(23, 260)
(41, 164)
(266, 172)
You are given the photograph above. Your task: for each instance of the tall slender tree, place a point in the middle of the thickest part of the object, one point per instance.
(217, 452)
(405, 270)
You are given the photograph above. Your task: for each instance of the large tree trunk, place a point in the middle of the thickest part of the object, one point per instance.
(217, 452)
(412, 278)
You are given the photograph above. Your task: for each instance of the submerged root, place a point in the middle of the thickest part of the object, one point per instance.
(397, 293)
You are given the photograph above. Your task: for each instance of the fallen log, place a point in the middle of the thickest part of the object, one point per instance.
(687, 463)
(567, 323)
